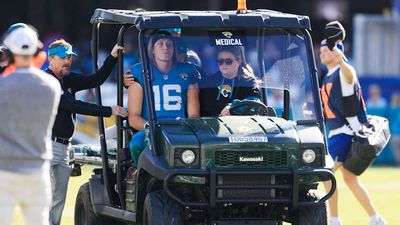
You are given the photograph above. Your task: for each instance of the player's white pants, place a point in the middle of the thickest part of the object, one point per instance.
(31, 191)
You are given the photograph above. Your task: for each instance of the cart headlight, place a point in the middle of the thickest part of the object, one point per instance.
(188, 156)
(309, 156)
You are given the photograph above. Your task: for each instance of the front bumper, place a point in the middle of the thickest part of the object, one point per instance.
(215, 187)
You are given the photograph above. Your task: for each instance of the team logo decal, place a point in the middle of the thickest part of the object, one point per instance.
(227, 34)
(225, 90)
(184, 76)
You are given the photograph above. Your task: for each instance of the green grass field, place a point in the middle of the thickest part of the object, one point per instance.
(383, 184)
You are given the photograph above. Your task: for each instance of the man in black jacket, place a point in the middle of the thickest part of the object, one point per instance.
(60, 60)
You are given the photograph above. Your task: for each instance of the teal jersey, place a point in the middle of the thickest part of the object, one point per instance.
(170, 90)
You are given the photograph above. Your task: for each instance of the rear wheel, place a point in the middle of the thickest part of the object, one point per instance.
(160, 209)
(84, 214)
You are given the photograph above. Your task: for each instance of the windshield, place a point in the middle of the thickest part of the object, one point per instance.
(229, 64)
(287, 66)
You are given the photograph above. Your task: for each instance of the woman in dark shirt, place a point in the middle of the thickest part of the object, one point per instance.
(234, 80)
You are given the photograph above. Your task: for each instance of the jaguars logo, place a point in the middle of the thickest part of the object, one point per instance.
(184, 76)
(225, 90)
(227, 34)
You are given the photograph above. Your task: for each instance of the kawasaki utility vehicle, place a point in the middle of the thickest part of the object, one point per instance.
(262, 165)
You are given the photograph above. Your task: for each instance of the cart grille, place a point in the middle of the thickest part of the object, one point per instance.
(225, 159)
(237, 192)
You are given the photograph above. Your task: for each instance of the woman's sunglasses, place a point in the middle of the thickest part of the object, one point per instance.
(227, 61)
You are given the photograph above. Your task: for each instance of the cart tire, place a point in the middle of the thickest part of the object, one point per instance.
(160, 209)
(84, 214)
(314, 214)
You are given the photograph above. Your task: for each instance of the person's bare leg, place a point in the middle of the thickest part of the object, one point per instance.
(333, 201)
(359, 191)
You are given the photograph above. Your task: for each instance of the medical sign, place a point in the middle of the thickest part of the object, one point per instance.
(227, 38)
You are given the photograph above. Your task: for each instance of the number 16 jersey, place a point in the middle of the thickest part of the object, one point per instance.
(169, 90)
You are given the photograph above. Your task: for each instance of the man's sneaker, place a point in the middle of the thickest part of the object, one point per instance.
(377, 220)
(335, 221)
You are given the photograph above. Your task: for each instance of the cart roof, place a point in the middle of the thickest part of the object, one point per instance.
(161, 19)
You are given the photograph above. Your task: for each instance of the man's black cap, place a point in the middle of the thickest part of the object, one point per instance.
(334, 31)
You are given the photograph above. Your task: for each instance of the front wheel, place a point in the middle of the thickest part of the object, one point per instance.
(160, 209)
(312, 215)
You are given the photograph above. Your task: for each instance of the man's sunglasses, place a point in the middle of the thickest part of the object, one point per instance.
(226, 61)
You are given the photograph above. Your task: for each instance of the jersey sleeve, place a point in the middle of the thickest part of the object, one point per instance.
(347, 89)
(137, 73)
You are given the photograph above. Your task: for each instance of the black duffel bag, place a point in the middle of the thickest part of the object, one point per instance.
(367, 144)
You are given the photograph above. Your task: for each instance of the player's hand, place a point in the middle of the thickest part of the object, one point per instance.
(128, 79)
(114, 51)
(337, 55)
(119, 111)
(225, 111)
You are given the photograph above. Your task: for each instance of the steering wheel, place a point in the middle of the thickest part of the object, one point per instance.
(248, 108)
